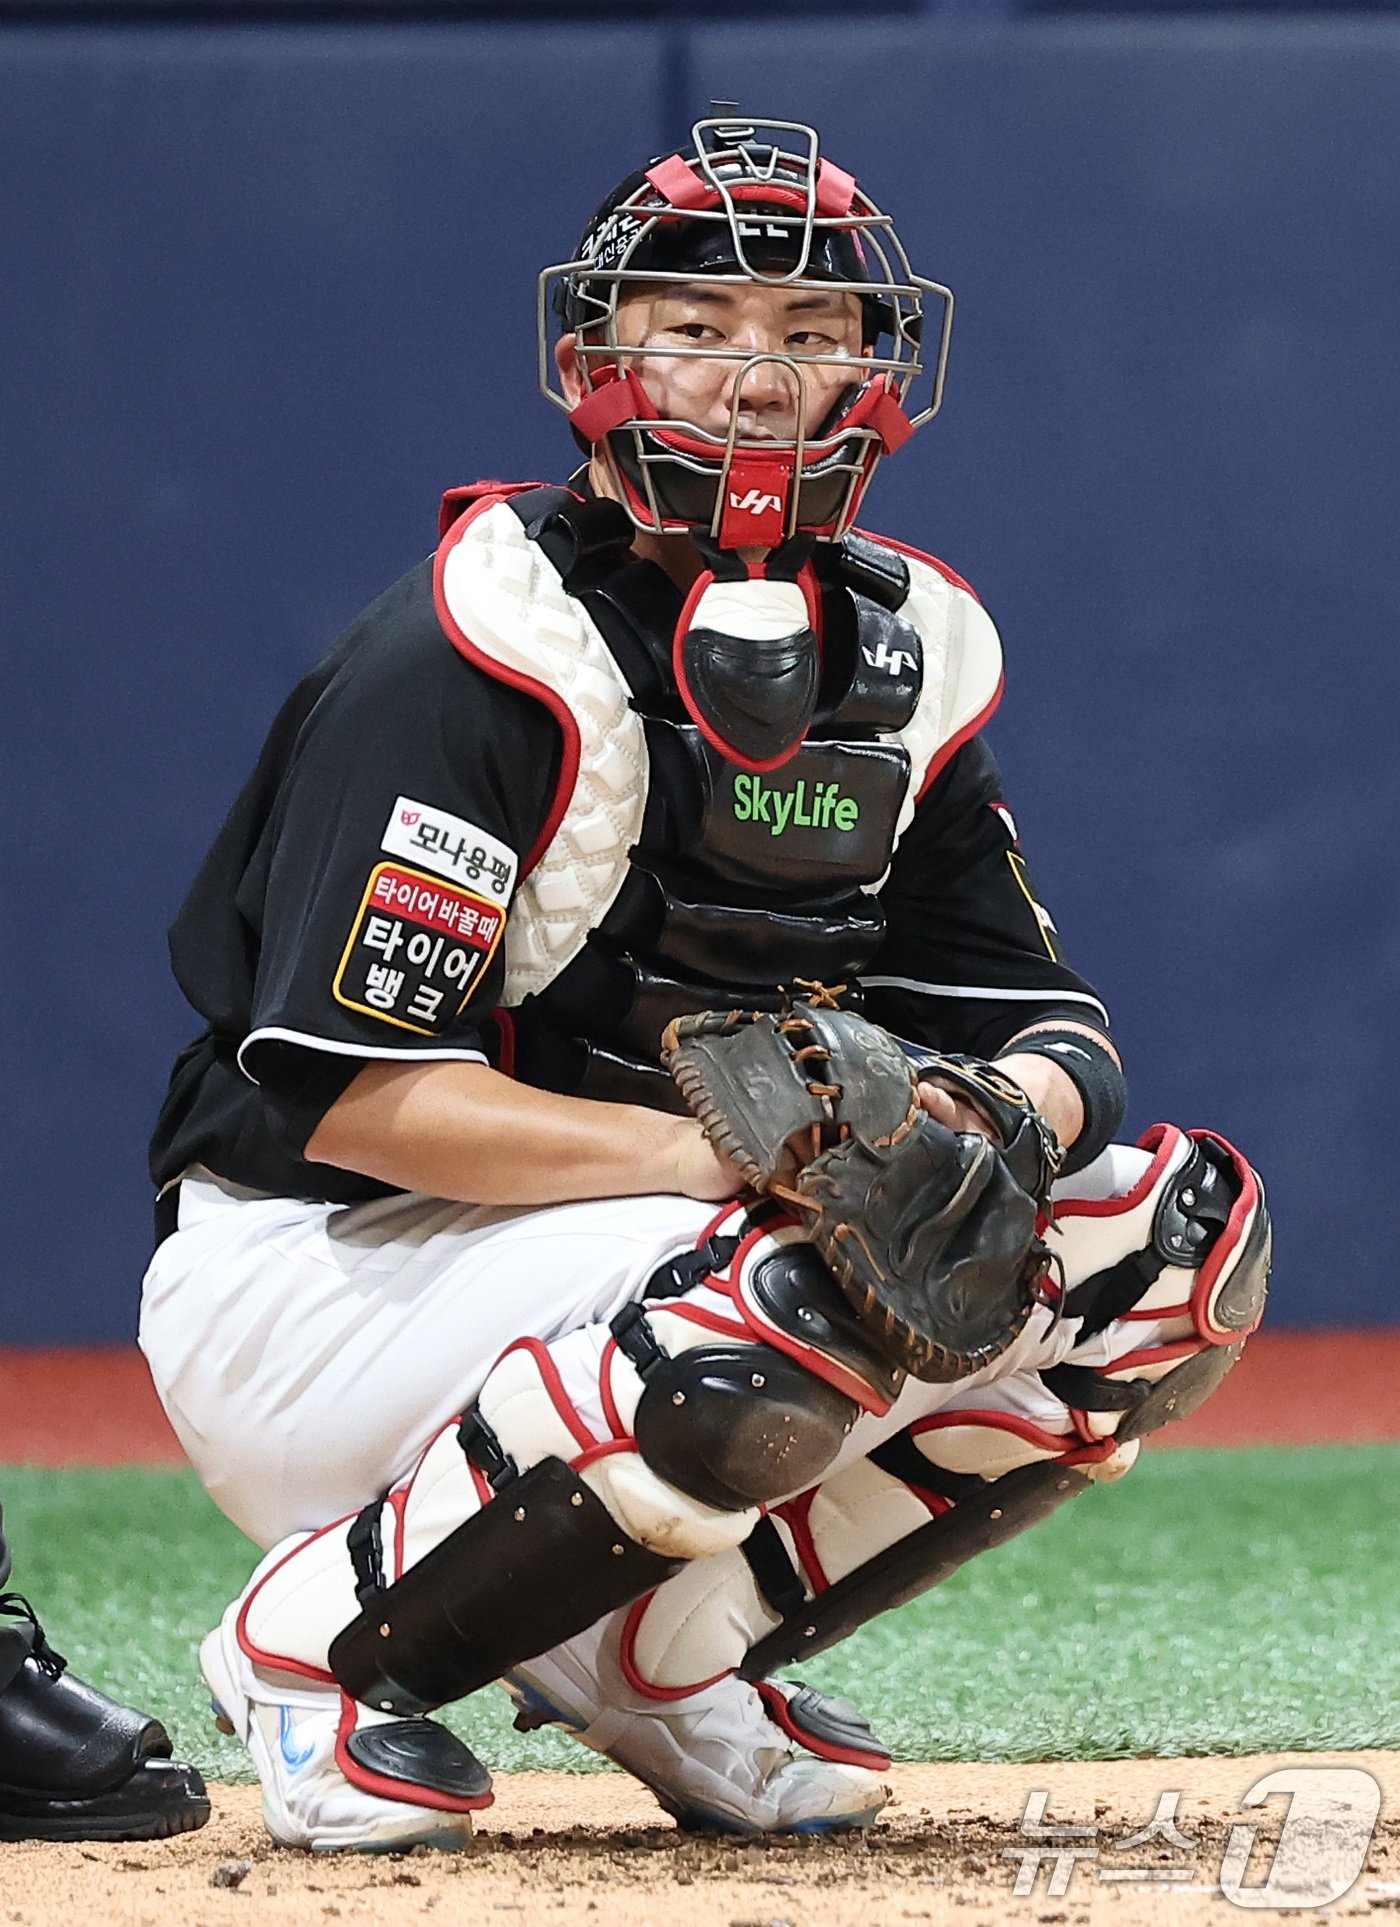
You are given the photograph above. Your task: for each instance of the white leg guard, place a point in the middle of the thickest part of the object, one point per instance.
(1165, 1254)
(589, 1468)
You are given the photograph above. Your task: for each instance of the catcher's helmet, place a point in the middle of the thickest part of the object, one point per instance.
(746, 202)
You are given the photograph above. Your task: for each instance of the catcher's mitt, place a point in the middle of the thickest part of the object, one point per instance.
(931, 1233)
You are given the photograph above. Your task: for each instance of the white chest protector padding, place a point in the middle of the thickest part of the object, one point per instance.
(962, 670)
(507, 598)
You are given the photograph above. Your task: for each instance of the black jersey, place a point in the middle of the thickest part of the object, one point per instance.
(354, 904)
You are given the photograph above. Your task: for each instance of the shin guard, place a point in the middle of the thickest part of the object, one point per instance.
(591, 1468)
(440, 1632)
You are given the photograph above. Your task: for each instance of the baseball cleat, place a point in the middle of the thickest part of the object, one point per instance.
(74, 1765)
(716, 1760)
(414, 1785)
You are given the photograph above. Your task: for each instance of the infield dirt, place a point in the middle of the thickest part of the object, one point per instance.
(559, 1846)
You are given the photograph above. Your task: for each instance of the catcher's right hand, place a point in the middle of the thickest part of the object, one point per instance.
(931, 1233)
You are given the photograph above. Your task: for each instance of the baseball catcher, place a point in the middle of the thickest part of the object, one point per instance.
(564, 1287)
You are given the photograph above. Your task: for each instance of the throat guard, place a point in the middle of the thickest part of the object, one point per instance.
(746, 658)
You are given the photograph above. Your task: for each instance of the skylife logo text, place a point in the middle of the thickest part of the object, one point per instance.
(815, 806)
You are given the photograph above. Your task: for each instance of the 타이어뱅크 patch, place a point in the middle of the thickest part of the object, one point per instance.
(416, 949)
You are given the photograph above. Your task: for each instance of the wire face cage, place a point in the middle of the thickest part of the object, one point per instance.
(751, 203)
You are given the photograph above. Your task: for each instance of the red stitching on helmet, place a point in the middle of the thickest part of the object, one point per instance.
(678, 184)
(681, 185)
(769, 194)
(836, 189)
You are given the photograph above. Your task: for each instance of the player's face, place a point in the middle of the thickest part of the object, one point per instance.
(743, 320)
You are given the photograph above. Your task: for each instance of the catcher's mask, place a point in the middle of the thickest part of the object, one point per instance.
(748, 202)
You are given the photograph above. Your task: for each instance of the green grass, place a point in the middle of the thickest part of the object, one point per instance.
(1214, 1602)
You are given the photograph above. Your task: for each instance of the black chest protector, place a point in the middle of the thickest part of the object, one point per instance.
(739, 883)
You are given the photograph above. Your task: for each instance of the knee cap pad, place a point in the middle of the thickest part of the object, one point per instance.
(1191, 1238)
(739, 1425)
(790, 1296)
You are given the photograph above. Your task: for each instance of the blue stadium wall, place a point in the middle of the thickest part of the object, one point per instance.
(265, 291)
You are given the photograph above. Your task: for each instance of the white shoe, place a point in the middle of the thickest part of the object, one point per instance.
(292, 1729)
(716, 1759)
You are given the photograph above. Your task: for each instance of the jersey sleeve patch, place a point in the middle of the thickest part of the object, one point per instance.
(450, 847)
(416, 948)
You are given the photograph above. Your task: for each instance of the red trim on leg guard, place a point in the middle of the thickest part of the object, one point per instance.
(776, 1706)
(278, 1662)
(1051, 1443)
(1161, 1140)
(1226, 1245)
(626, 1653)
(554, 1385)
(1133, 1362)
(605, 1391)
(795, 1515)
(710, 1321)
(608, 1449)
(403, 1791)
(398, 1505)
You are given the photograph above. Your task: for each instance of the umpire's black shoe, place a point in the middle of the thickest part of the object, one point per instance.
(73, 1764)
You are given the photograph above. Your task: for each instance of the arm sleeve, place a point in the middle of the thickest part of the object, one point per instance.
(381, 885)
(970, 957)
